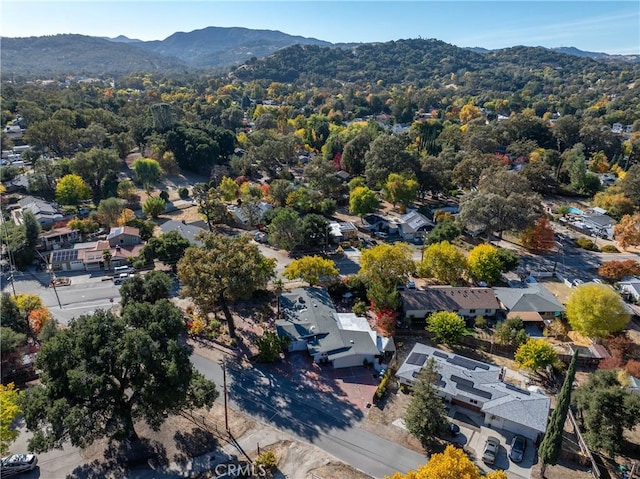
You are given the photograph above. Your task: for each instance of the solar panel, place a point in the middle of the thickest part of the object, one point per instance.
(517, 389)
(438, 382)
(469, 364)
(467, 386)
(65, 255)
(417, 359)
(440, 354)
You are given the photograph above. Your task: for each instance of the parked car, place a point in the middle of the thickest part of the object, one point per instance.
(121, 277)
(577, 282)
(454, 429)
(411, 285)
(518, 445)
(17, 464)
(491, 448)
(382, 372)
(381, 234)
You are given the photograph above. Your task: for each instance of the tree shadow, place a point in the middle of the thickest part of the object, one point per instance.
(195, 443)
(121, 457)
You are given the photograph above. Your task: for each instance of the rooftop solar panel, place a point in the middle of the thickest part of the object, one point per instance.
(438, 383)
(469, 364)
(517, 389)
(467, 386)
(440, 354)
(417, 359)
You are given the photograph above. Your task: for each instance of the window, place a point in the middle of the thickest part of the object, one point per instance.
(473, 401)
(472, 311)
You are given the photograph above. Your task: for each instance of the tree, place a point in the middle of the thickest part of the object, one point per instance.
(400, 189)
(606, 409)
(154, 206)
(52, 135)
(168, 247)
(27, 302)
(127, 190)
(210, 205)
(311, 269)
(511, 332)
(627, 231)
(95, 166)
(540, 237)
(630, 184)
(387, 154)
(279, 190)
(445, 230)
(453, 463)
(596, 310)
(536, 354)
(105, 372)
(228, 189)
(109, 210)
(10, 315)
(150, 288)
(484, 263)
(446, 328)
(315, 229)
(363, 201)
(285, 230)
(426, 415)
(270, 345)
(38, 318)
(71, 190)
(389, 264)
(126, 217)
(223, 270)
(442, 261)
(616, 270)
(32, 228)
(9, 412)
(549, 450)
(147, 172)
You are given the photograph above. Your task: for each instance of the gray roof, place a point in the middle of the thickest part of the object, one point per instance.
(414, 221)
(464, 377)
(187, 231)
(600, 221)
(534, 297)
(448, 298)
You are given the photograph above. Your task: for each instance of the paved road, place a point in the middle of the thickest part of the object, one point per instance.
(321, 419)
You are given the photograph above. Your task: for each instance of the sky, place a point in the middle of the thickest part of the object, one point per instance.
(601, 26)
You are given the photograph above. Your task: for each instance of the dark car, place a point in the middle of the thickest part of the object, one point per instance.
(17, 464)
(518, 445)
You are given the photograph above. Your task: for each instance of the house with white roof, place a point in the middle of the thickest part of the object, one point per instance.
(480, 387)
(630, 287)
(414, 225)
(309, 321)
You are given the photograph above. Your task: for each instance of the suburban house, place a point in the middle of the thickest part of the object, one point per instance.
(599, 224)
(186, 230)
(310, 322)
(467, 302)
(57, 238)
(342, 231)
(630, 288)
(480, 387)
(533, 303)
(413, 226)
(240, 216)
(46, 213)
(122, 243)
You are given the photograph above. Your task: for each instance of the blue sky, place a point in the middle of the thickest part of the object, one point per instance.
(603, 26)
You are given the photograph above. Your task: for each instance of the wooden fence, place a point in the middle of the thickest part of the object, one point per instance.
(595, 468)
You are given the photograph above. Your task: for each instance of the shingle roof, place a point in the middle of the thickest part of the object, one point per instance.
(187, 231)
(535, 297)
(120, 230)
(413, 221)
(449, 299)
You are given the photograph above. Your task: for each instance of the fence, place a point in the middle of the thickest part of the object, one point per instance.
(595, 468)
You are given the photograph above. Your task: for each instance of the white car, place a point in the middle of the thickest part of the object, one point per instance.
(16, 464)
(491, 450)
(381, 234)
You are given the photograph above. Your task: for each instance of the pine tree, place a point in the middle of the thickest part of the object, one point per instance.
(426, 415)
(549, 449)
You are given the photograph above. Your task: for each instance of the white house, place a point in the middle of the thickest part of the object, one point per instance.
(413, 226)
(480, 387)
(631, 288)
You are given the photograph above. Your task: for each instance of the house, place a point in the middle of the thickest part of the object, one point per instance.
(246, 218)
(467, 302)
(480, 387)
(630, 288)
(342, 176)
(532, 303)
(310, 322)
(57, 238)
(124, 236)
(373, 222)
(413, 226)
(598, 223)
(188, 231)
(342, 231)
(46, 213)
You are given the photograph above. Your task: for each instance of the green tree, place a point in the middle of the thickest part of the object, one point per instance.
(511, 332)
(445, 230)
(400, 189)
(596, 311)
(127, 190)
(222, 271)
(484, 263)
(270, 345)
(9, 412)
(447, 328)
(130, 367)
(606, 409)
(32, 228)
(168, 247)
(71, 190)
(387, 154)
(426, 415)
(210, 205)
(10, 315)
(311, 269)
(549, 450)
(95, 167)
(442, 261)
(536, 354)
(154, 206)
(147, 172)
(109, 210)
(10, 339)
(52, 135)
(285, 230)
(363, 201)
(279, 190)
(315, 230)
(150, 288)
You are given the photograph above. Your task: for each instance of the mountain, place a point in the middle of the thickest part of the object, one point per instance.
(123, 39)
(217, 46)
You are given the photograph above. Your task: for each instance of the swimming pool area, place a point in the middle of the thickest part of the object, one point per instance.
(575, 211)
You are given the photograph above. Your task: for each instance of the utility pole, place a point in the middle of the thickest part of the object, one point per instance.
(224, 387)
(52, 277)
(11, 258)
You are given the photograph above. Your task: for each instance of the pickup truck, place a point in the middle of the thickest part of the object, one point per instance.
(121, 277)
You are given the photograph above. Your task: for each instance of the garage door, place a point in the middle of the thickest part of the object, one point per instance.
(77, 265)
(520, 429)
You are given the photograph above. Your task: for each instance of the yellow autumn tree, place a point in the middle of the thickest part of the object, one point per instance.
(453, 463)
(126, 216)
(9, 411)
(469, 112)
(27, 302)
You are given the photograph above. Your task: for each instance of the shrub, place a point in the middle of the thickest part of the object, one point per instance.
(480, 322)
(183, 192)
(609, 248)
(164, 195)
(360, 308)
(382, 387)
(267, 459)
(587, 244)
